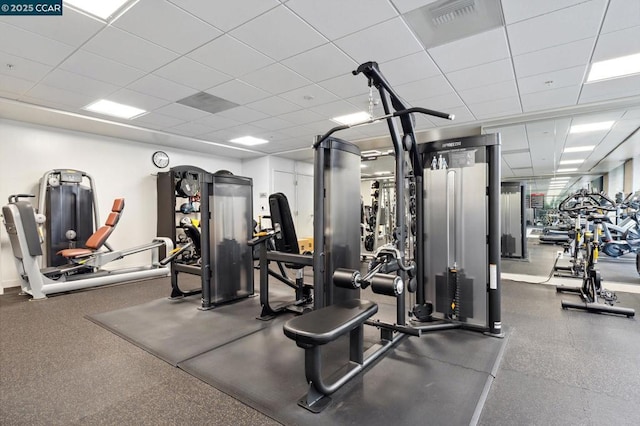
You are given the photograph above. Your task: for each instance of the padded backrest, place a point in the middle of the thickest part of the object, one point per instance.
(98, 238)
(112, 219)
(193, 233)
(118, 205)
(282, 222)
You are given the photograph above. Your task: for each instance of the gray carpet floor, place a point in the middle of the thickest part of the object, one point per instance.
(57, 367)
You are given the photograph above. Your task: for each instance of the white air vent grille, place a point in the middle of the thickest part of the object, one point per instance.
(448, 20)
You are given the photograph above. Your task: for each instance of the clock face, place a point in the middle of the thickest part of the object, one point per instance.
(160, 159)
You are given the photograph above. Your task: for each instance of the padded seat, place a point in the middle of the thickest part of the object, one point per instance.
(327, 324)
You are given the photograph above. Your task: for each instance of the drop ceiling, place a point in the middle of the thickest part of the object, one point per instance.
(287, 65)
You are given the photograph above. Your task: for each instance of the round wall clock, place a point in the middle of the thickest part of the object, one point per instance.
(160, 159)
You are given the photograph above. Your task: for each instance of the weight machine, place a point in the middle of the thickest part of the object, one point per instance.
(404, 265)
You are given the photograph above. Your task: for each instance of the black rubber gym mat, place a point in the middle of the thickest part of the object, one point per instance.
(176, 330)
(440, 378)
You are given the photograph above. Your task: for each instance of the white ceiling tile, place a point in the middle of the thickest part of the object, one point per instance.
(483, 48)
(362, 103)
(631, 114)
(71, 28)
(409, 68)
(58, 96)
(24, 69)
(138, 53)
(15, 86)
(337, 18)
(190, 129)
(496, 108)
(346, 85)
(181, 112)
(440, 103)
(66, 80)
(303, 116)
(157, 120)
(230, 56)
(426, 88)
(275, 79)
(337, 108)
(272, 123)
(100, 68)
(408, 5)
(563, 26)
(32, 46)
(243, 114)
(279, 34)
(505, 89)
(226, 14)
(554, 58)
(161, 88)
(238, 91)
(548, 99)
(552, 80)
(462, 115)
(321, 63)
(512, 137)
(610, 89)
(191, 73)
(621, 14)
(482, 75)
(136, 99)
(309, 96)
(273, 105)
(299, 132)
(375, 44)
(518, 10)
(164, 24)
(8, 95)
(217, 122)
(518, 160)
(619, 43)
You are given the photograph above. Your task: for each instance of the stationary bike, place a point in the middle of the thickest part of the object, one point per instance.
(595, 299)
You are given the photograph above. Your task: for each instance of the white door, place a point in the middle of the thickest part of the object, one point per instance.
(304, 206)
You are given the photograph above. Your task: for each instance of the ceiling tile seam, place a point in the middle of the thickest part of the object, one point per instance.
(440, 70)
(551, 11)
(513, 67)
(62, 61)
(593, 49)
(346, 35)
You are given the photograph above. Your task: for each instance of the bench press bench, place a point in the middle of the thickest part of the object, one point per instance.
(314, 329)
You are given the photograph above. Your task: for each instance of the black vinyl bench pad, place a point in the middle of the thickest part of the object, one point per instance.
(327, 324)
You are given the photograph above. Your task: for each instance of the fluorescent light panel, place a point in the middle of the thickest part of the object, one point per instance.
(614, 68)
(564, 162)
(249, 141)
(579, 148)
(371, 153)
(567, 170)
(102, 9)
(357, 117)
(382, 173)
(114, 109)
(591, 127)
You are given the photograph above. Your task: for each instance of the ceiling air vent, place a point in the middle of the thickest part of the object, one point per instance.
(206, 102)
(445, 21)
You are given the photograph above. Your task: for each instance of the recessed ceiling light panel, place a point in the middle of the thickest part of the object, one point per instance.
(614, 68)
(591, 127)
(249, 141)
(103, 9)
(349, 119)
(114, 109)
(579, 148)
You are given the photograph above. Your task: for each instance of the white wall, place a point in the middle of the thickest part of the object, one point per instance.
(615, 181)
(120, 168)
(635, 179)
